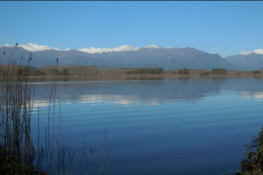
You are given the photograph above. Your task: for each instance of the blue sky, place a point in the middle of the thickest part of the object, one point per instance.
(222, 27)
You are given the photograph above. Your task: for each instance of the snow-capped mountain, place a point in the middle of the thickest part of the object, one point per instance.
(35, 47)
(257, 51)
(128, 56)
(247, 60)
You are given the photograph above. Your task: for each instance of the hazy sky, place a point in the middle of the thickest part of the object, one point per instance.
(222, 27)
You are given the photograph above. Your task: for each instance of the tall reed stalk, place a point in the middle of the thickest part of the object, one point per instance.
(16, 106)
(15, 111)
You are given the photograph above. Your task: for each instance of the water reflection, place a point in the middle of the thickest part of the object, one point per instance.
(167, 126)
(149, 92)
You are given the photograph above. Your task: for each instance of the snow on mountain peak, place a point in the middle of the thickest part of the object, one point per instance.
(101, 50)
(152, 46)
(122, 48)
(31, 47)
(6, 45)
(92, 50)
(35, 47)
(257, 51)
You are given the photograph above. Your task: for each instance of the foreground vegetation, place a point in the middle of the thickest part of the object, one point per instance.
(18, 153)
(10, 165)
(253, 161)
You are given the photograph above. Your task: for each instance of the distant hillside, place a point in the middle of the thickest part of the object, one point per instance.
(251, 61)
(152, 56)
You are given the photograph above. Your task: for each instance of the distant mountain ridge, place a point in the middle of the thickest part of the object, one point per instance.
(128, 56)
(250, 61)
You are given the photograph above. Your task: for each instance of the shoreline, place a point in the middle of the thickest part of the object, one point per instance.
(138, 76)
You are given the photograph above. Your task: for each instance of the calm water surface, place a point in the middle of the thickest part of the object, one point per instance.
(169, 126)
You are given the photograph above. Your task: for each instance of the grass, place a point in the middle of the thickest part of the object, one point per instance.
(18, 154)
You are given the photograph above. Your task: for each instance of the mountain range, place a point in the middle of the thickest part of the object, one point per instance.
(128, 56)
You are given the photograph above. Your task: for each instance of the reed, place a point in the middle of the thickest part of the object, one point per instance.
(16, 106)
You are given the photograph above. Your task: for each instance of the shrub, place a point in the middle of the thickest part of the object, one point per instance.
(253, 162)
(218, 71)
(146, 71)
(256, 72)
(183, 71)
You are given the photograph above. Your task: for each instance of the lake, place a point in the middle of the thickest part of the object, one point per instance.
(164, 126)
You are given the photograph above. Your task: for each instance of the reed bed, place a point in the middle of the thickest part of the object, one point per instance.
(51, 156)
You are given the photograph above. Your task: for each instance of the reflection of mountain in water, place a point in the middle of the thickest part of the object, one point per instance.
(150, 91)
(247, 88)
